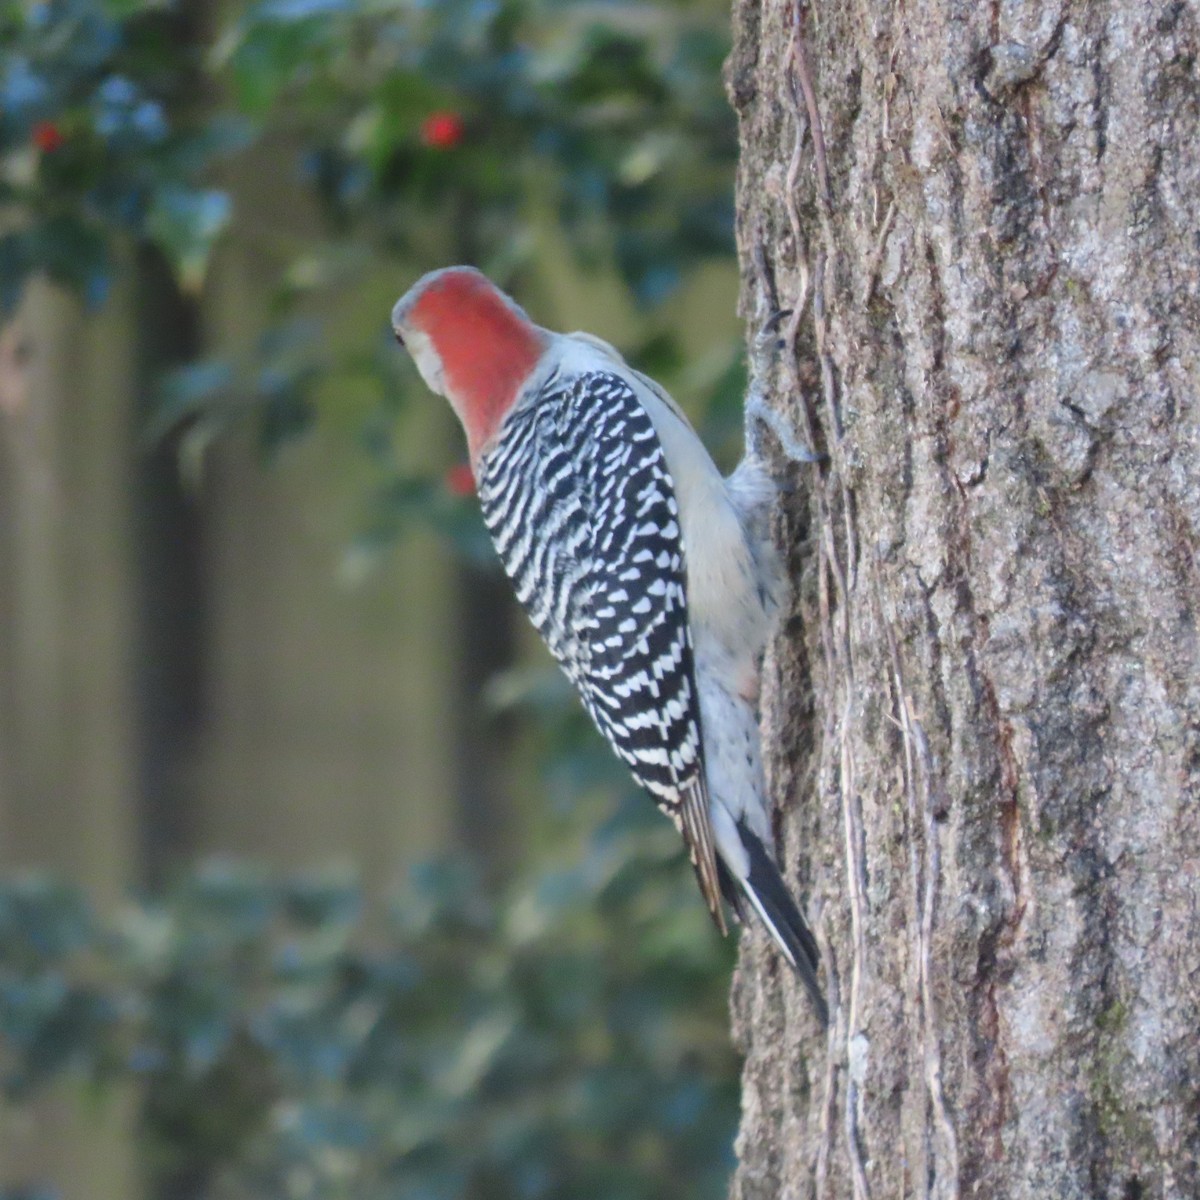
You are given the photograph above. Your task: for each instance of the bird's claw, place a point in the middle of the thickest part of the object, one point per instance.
(792, 447)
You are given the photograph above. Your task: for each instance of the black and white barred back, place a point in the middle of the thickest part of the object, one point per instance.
(579, 503)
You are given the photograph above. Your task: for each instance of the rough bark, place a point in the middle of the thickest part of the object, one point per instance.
(983, 725)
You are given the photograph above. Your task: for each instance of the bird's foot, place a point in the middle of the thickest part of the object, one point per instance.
(769, 343)
(760, 413)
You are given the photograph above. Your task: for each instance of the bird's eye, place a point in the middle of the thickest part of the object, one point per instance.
(399, 340)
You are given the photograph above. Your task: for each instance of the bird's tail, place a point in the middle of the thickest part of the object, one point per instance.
(766, 893)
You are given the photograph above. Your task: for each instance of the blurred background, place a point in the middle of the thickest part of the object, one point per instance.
(316, 881)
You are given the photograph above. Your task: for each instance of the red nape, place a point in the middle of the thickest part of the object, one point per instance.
(487, 348)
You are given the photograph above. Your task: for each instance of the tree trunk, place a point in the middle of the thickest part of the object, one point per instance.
(983, 726)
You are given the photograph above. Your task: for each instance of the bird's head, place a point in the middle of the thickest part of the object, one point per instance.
(471, 344)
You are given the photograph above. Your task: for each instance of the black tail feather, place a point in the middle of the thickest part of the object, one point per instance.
(775, 907)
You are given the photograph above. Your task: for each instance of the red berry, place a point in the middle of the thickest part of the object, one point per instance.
(460, 480)
(442, 130)
(47, 137)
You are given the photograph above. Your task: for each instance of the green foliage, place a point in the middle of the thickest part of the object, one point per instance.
(430, 128)
(92, 148)
(567, 1041)
(484, 115)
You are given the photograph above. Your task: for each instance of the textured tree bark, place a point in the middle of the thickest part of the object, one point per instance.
(983, 724)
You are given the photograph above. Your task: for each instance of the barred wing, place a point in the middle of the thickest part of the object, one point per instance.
(579, 503)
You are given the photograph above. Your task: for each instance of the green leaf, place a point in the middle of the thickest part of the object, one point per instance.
(188, 392)
(185, 223)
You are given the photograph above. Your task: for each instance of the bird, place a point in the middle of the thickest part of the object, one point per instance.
(651, 577)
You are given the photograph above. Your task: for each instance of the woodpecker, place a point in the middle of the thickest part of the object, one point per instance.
(651, 578)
